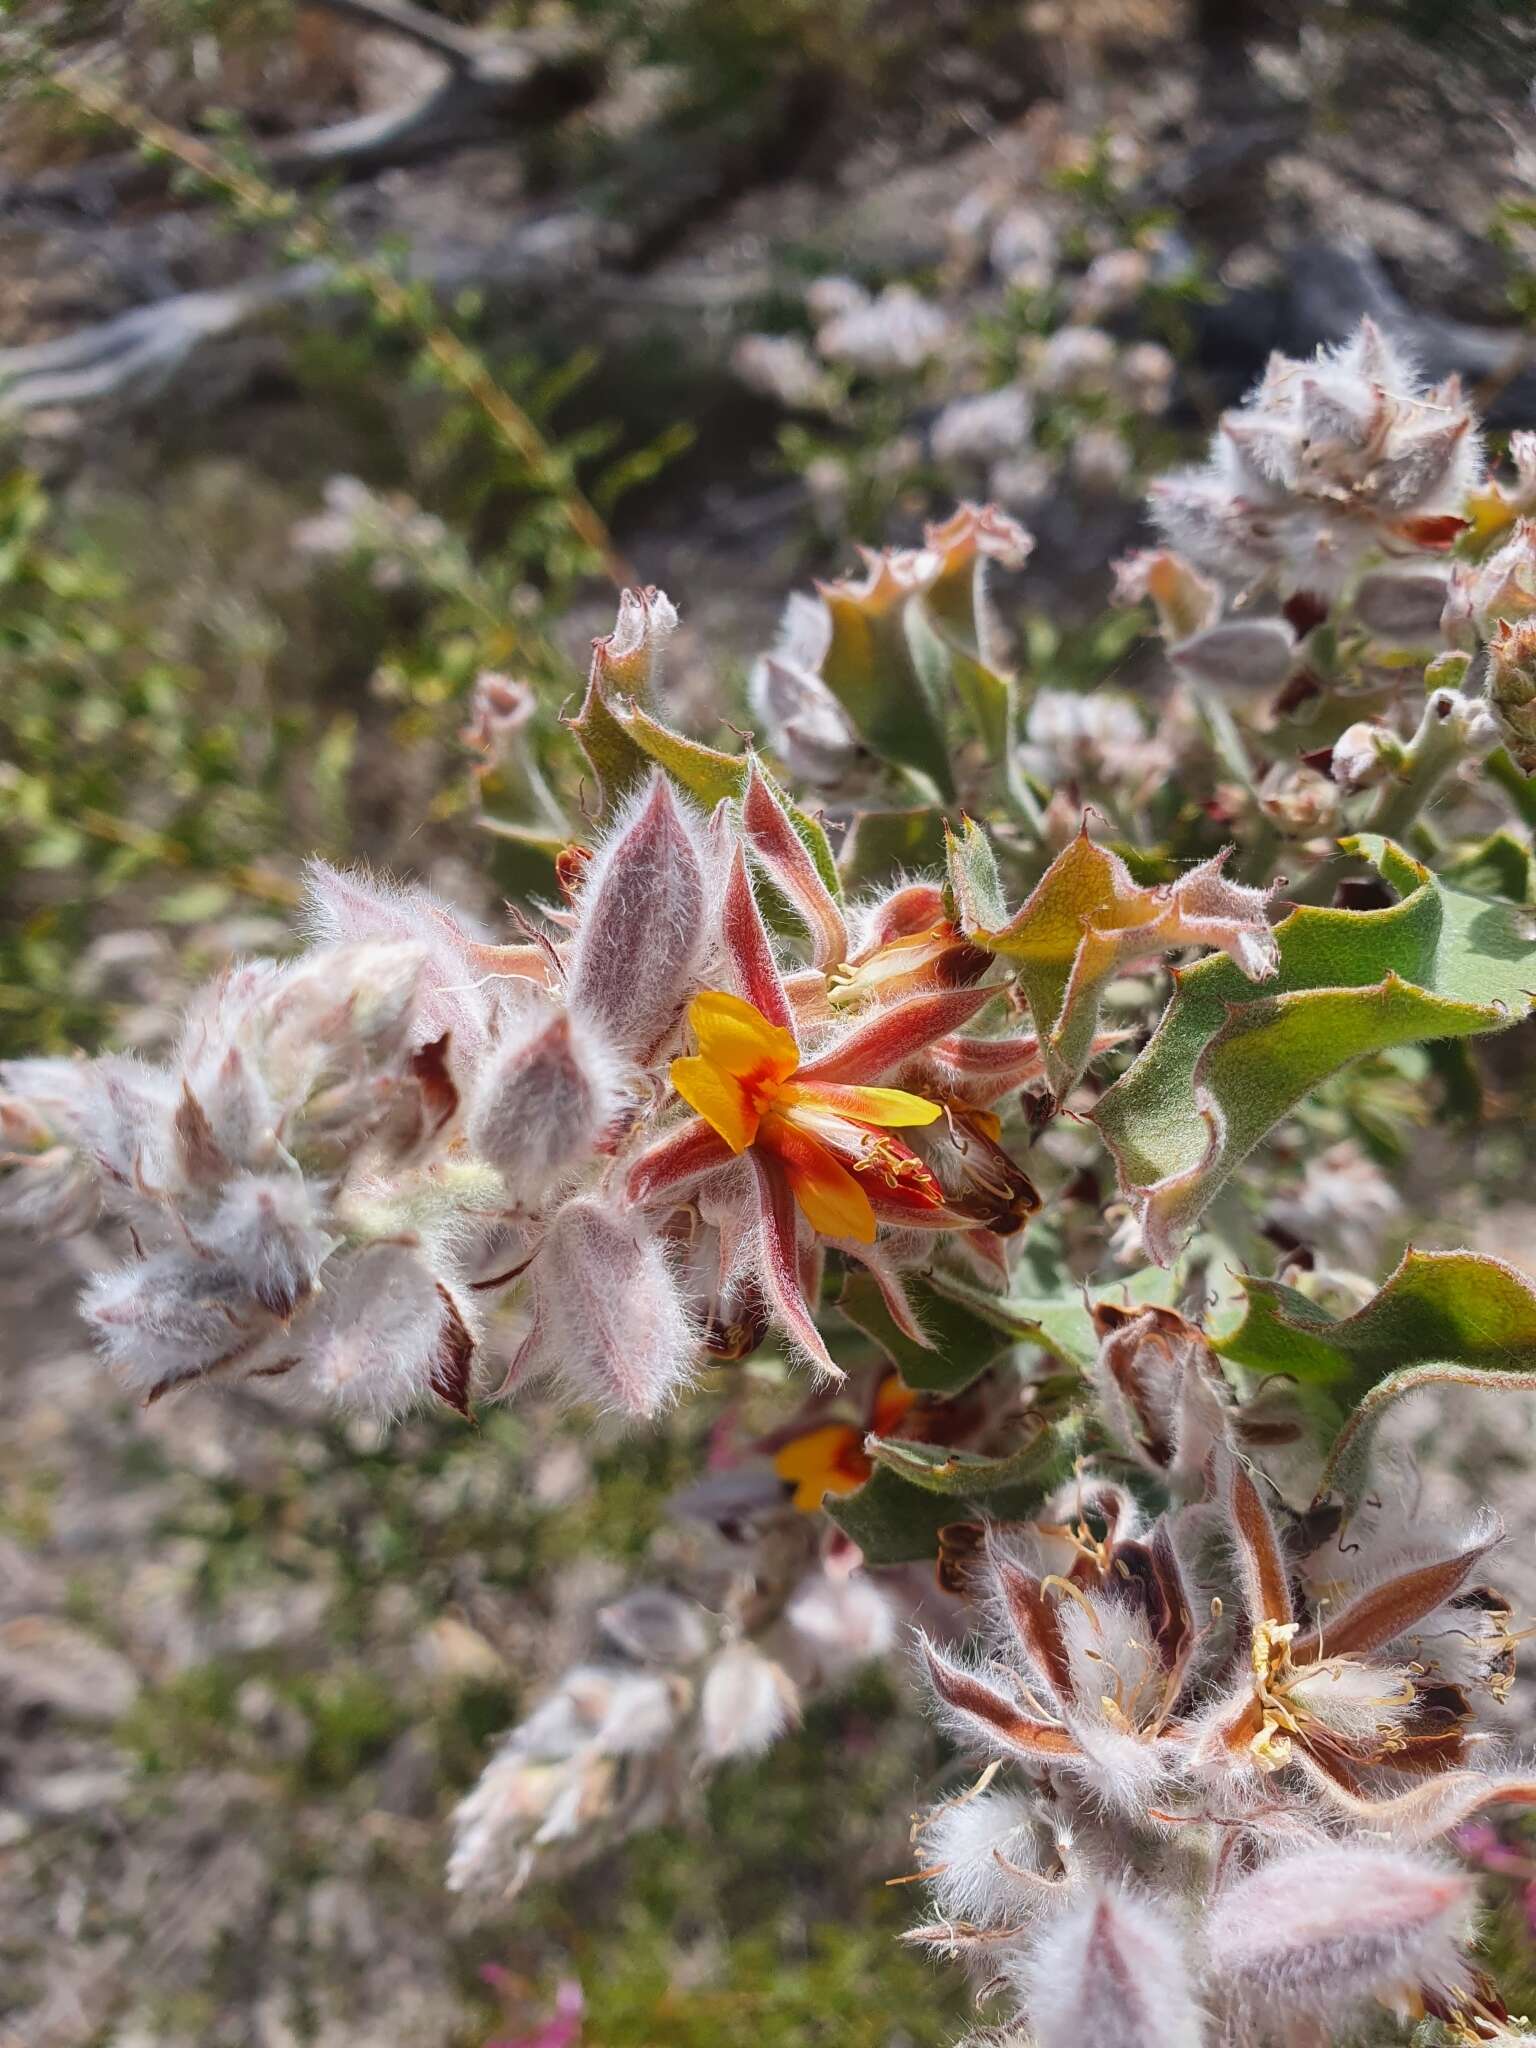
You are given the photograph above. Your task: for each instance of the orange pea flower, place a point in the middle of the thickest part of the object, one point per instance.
(825, 1135)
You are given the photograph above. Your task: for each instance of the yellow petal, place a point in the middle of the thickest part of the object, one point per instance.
(719, 1098)
(736, 1037)
(887, 1106)
(819, 1463)
(830, 1199)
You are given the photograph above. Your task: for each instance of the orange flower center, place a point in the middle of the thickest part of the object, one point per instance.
(742, 1082)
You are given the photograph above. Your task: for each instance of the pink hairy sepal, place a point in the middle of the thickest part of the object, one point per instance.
(1111, 1973)
(543, 1099)
(611, 1320)
(641, 923)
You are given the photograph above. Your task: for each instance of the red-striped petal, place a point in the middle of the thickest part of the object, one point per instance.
(682, 1156)
(784, 854)
(887, 1038)
(746, 944)
(779, 1230)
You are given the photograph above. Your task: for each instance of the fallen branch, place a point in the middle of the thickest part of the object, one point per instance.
(491, 85)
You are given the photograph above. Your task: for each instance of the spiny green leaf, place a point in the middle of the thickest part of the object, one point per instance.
(891, 1520)
(616, 761)
(1049, 1310)
(949, 674)
(980, 902)
(1442, 1319)
(1437, 1308)
(1226, 1063)
(1061, 1321)
(915, 1489)
(1501, 866)
(1086, 919)
(1038, 1464)
(869, 669)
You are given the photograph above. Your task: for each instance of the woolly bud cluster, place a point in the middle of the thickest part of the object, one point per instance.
(232, 1168)
(1325, 463)
(1224, 1829)
(673, 1694)
(1512, 687)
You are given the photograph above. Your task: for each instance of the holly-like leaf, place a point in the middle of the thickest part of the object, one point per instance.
(869, 668)
(964, 1343)
(949, 673)
(912, 639)
(891, 1520)
(623, 742)
(1037, 1464)
(917, 1489)
(1227, 1062)
(617, 762)
(1438, 1307)
(1442, 1318)
(1500, 866)
(1085, 921)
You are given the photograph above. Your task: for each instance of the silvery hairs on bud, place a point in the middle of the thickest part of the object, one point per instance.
(641, 922)
(610, 1321)
(543, 1099)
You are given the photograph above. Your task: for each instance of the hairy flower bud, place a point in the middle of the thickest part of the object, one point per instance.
(499, 709)
(543, 1100)
(1111, 1973)
(1512, 687)
(1298, 800)
(266, 1227)
(611, 1319)
(169, 1319)
(1402, 605)
(746, 1703)
(391, 1332)
(1362, 754)
(1503, 587)
(836, 1625)
(1327, 464)
(641, 925)
(1325, 1930)
(1249, 653)
(654, 1626)
(45, 1182)
(554, 1794)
